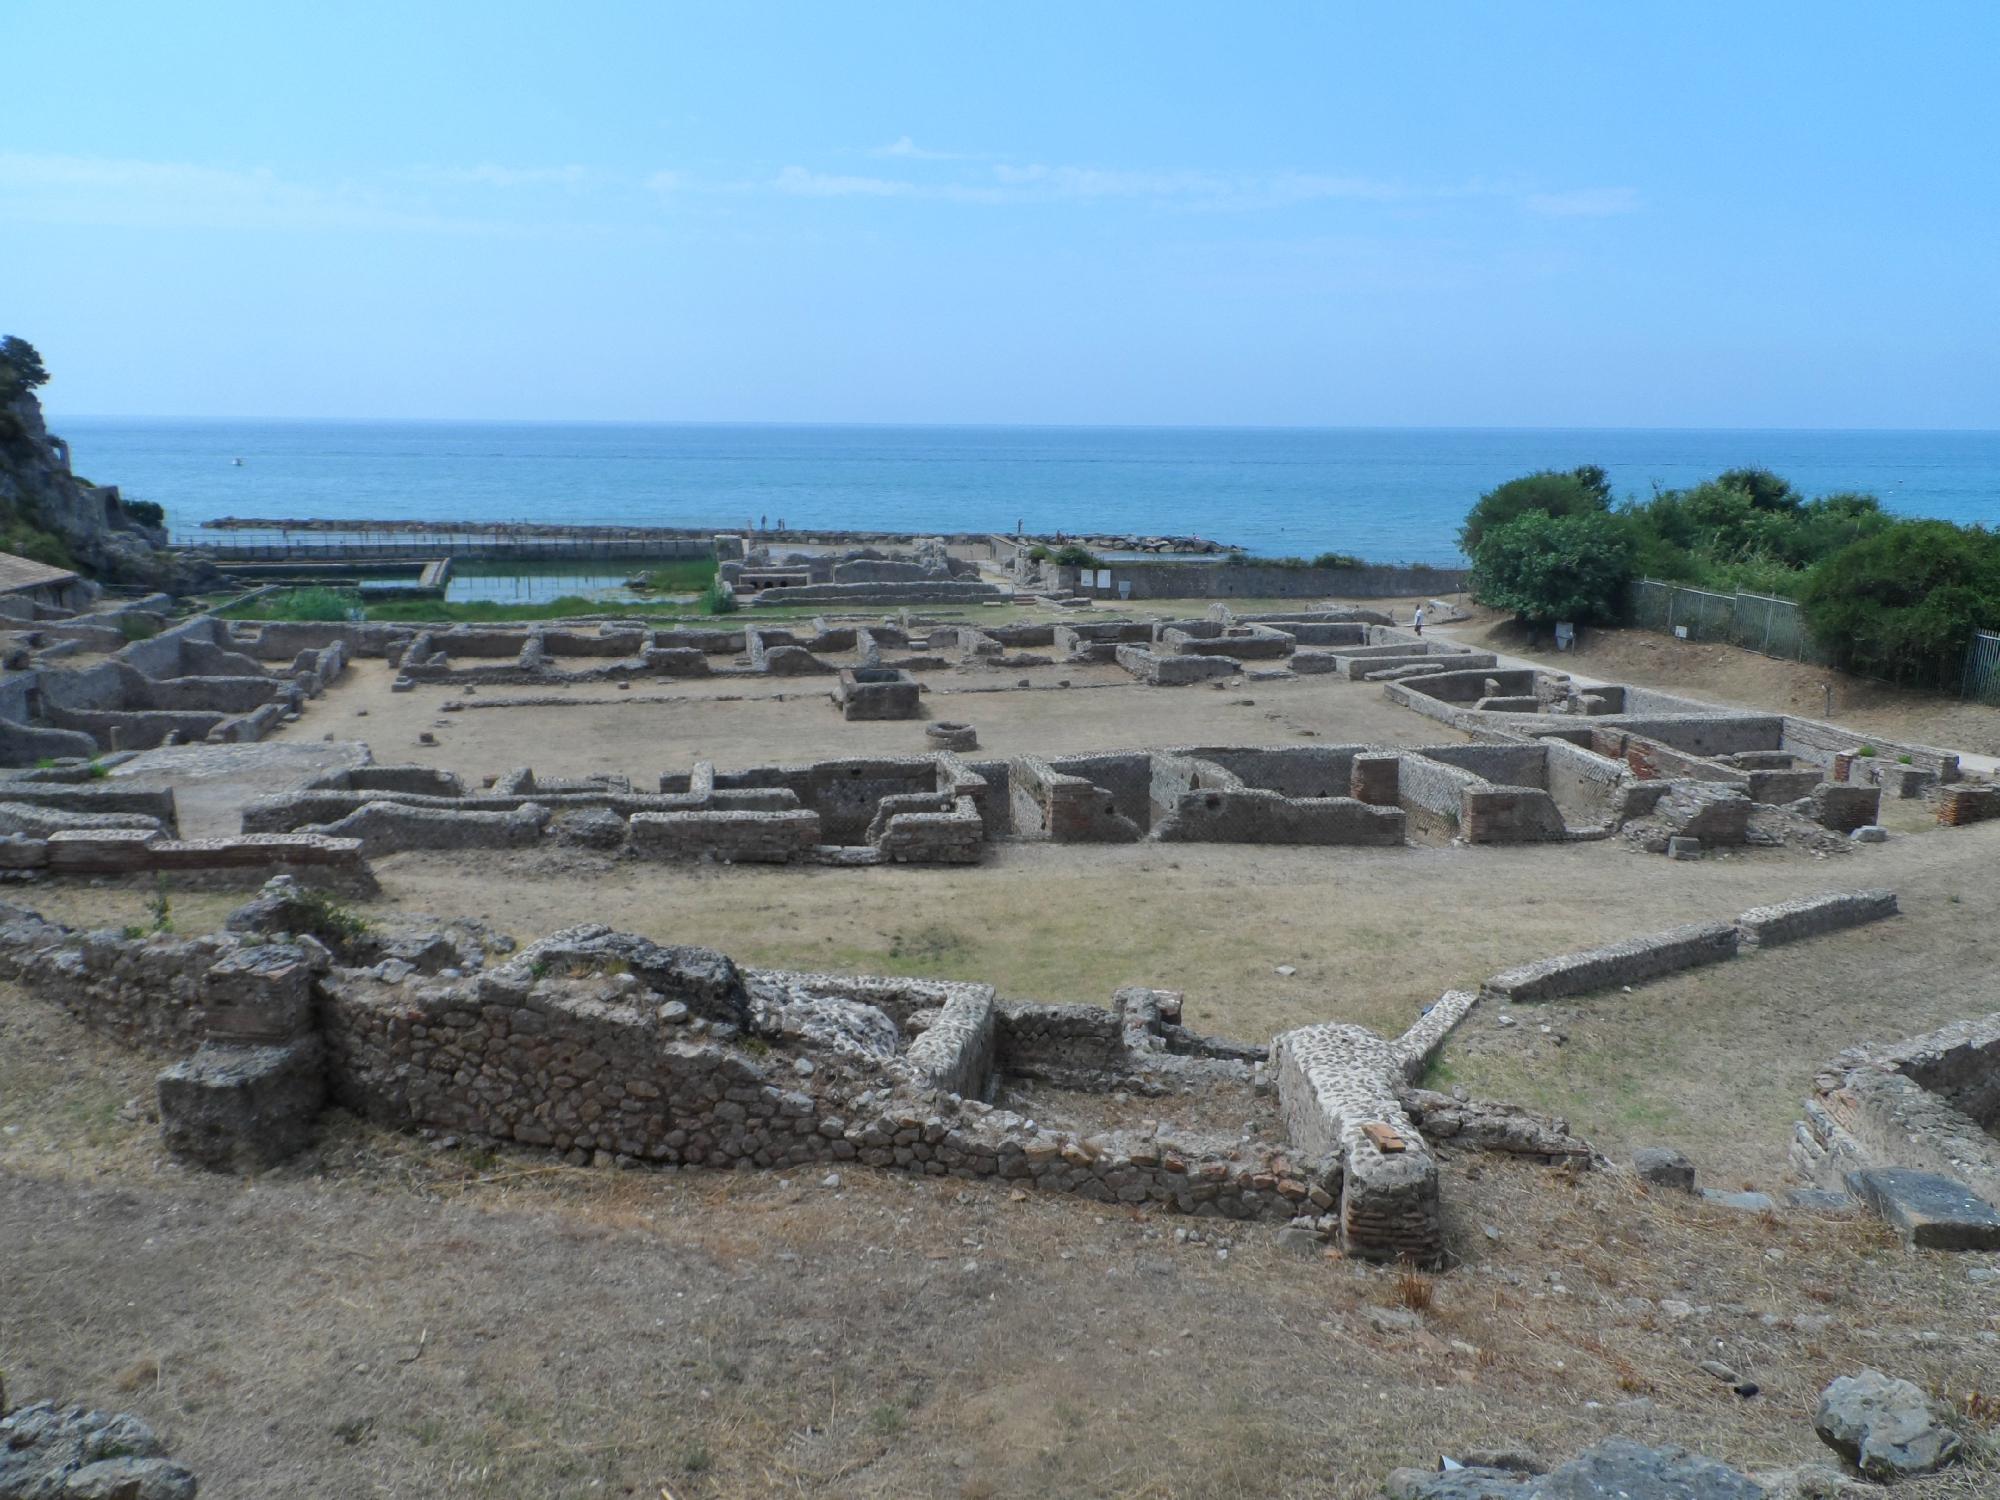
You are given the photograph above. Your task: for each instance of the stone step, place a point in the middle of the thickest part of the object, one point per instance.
(1929, 1211)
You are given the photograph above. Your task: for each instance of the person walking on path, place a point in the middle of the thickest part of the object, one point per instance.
(1420, 619)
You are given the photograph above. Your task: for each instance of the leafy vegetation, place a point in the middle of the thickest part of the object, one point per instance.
(1580, 492)
(1903, 604)
(1069, 555)
(717, 600)
(21, 368)
(1555, 567)
(1886, 597)
(145, 512)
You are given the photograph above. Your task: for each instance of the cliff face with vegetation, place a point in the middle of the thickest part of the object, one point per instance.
(49, 514)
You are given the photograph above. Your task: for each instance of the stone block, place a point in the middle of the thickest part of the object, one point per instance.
(1662, 1166)
(877, 693)
(242, 1109)
(1929, 1211)
(260, 994)
(1886, 1428)
(1682, 847)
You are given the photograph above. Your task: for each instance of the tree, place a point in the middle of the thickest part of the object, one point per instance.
(21, 367)
(1767, 491)
(1902, 604)
(1580, 492)
(1547, 567)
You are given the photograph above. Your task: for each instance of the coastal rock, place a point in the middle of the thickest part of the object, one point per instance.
(90, 521)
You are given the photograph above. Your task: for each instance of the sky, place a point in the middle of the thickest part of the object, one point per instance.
(1418, 214)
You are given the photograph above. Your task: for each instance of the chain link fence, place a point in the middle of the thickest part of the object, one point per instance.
(1757, 622)
(1777, 627)
(1982, 668)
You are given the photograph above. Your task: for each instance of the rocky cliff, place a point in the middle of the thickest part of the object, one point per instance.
(49, 514)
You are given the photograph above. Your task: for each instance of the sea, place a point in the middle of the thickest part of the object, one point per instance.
(1385, 494)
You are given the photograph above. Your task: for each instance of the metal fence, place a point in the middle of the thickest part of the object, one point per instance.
(1777, 627)
(1756, 622)
(1981, 681)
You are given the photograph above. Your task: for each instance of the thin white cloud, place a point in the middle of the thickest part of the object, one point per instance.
(1584, 203)
(905, 149)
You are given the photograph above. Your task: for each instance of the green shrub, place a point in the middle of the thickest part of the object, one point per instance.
(1070, 555)
(717, 600)
(1580, 492)
(145, 512)
(1546, 568)
(137, 627)
(1338, 560)
(162, 905)
(1902, 604)
(313, 913)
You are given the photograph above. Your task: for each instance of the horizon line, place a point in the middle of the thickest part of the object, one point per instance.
(759, 422)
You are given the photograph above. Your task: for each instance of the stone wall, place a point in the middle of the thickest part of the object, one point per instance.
(1172, 580)
(1632, 961)
(1812, 916)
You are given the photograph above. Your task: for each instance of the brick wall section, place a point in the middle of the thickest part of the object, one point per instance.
(1959, 805)
(1376, 780)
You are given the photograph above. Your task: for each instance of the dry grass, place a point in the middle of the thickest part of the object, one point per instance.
(386, 1316)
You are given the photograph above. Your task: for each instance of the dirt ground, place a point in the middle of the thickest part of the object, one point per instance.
(386, 1316)
(647, 730)
(393, 1315)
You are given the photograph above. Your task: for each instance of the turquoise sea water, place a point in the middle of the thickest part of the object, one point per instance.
(1390, 495)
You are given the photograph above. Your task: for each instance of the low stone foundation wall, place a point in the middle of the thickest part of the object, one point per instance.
(731, 835)
(1632, 961)
(1159, 670)
(1810, 916)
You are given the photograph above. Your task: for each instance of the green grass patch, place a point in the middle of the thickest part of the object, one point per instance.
(687, 575)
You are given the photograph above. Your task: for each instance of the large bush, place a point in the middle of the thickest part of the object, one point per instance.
(1902, 604)
(1546, 567)
(1580, 492)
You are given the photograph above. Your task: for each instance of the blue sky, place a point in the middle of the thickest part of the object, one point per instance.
(1509, 214)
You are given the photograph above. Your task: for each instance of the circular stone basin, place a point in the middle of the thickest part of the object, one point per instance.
(947, 735)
